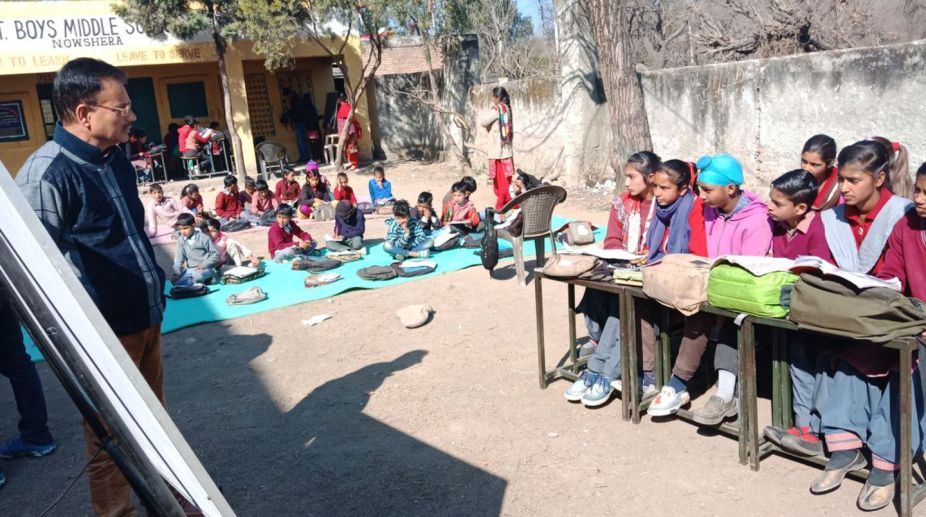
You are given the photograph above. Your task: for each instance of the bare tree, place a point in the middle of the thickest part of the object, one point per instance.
(622, 85)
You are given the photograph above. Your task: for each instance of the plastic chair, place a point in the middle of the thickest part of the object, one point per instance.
(271, 158)
(537, 212)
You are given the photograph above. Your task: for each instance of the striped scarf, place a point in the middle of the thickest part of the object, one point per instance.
(505, 125)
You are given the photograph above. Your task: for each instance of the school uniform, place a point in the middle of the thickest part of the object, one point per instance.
(228, 206)
(196, 256)
(160, 218)
(281, 242)
(807, 238)
(857, 399)
(287, 192)
(628, 224)
(345, 194)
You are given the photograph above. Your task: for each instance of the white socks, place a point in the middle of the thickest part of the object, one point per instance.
(726, 385)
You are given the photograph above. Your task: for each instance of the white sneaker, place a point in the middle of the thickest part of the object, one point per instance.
(580, 386)
(363, 252)
(668, 402)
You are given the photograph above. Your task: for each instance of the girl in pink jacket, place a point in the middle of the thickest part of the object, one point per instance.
(736, 223)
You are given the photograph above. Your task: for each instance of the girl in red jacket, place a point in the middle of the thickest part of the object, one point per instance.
(630, 217)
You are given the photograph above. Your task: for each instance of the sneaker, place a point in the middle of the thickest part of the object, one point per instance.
(715, 411)
(648, 390)
(668, 402)
(806, 443)
(400, 258)
(423, 254)
(582, 384)
(17, 448)
(599, 393)
(363, 251)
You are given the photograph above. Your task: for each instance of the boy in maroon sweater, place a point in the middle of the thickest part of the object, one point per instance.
(229, 203)
(798, 230)
(285, 239)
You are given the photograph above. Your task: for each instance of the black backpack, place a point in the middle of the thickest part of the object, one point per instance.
(416, 270)
(378, 273)
(489, 250)
(179, 292)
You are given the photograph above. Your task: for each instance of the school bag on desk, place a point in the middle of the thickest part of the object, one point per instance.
(678, 281)
(837, 306)
(757, 285)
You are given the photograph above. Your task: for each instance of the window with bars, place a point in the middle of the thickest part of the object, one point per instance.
(259, 108)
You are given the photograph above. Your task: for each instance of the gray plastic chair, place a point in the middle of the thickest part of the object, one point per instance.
(271, 158)
(537, 211)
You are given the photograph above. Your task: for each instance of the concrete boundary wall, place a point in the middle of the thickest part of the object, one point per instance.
(762, 111)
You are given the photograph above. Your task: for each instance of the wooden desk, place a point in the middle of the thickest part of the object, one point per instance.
(752, 448)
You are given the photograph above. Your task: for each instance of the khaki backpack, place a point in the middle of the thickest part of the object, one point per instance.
(831, 305)
(678, 281)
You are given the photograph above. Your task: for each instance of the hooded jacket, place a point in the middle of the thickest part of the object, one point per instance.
(746, 232)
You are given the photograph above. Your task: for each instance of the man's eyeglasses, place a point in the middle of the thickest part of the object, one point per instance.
(121, 111)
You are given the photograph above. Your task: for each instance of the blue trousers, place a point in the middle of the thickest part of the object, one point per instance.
(856, 410)
(16, 365)
(604, 326)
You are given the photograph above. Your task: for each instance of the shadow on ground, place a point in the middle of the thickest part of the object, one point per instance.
(323, 457)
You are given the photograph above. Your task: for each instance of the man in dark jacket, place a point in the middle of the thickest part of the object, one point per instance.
(296, 115)
(82, 187)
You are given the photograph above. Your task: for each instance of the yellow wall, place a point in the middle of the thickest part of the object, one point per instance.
(27, 59)
(22, 88)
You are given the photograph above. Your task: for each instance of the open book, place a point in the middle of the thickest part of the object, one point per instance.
(859, 280)
(603, 254)
(444, 235)
(241, 271)
(764, 265)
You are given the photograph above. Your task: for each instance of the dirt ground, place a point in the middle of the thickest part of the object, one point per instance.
(360, 416)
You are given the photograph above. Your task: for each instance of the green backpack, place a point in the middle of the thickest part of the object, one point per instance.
(734, 288)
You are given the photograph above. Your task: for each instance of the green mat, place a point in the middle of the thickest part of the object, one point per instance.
(284, 287)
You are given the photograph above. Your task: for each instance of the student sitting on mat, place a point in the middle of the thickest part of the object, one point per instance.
(162, 212)
(344, 192)
(405, 237)
(857, 394)
(460, 214)
(798, 231)
(314, 193)
(287, 189)
(231, 252)
(349, 225)
(229, 204)
(630, 216)
(264, 204)
(191, 200)
(380, 188)
(735, 223)
(424, 212)
(286, 240)
(195, 257)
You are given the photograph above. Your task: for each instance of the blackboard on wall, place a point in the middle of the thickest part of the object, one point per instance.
(12, 122)
(187, 99)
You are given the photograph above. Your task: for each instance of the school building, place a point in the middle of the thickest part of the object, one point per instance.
(168, 79)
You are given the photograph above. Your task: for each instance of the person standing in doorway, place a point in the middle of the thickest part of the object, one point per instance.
(497, 122)
(82, 188)
(313, 129)
(296, 115)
